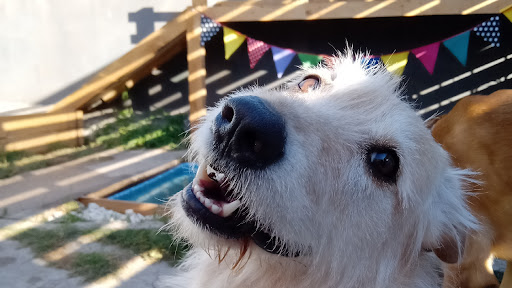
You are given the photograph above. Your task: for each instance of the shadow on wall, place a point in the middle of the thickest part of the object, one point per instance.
(145, 19)
(62, 93)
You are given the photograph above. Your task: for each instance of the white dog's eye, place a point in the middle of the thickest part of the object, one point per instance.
(383, 164)
(309, 82)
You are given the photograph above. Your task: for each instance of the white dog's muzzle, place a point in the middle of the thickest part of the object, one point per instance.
(247, 134)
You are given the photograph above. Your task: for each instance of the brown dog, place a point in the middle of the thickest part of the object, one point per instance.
(478, 134)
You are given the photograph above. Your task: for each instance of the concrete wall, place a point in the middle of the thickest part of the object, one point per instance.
(49, 48)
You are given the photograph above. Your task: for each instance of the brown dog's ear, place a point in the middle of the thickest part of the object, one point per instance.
(451, 250)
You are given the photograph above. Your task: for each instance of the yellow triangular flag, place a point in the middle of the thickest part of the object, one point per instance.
(232, 40)
(508, 12)
(395, 63)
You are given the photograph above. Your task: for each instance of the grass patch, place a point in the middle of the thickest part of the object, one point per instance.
(144, 242)
(92, 266)
(42, 241)
(45, 244)
(130, 130)
(148, 244)
(12, 163)
(69, 219)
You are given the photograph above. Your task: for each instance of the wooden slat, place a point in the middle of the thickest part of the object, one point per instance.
(35, 132)
(40, 144)
(302, 10)
(26, 126)
(120, 206)
(152, 51)
(40, 131)
(196, 70)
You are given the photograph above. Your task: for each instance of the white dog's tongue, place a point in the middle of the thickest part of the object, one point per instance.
(203, 185)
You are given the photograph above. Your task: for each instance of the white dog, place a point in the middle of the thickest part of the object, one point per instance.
(331, 181)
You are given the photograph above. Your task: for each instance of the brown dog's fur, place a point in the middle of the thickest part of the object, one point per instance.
(477, 133)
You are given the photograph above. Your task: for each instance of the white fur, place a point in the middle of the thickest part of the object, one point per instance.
(321, 198)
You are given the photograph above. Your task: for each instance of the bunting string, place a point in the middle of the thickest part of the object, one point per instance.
(488, 31)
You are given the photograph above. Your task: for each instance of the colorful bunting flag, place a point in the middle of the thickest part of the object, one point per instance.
(458, 45)
(282, 58)
(255, 50)
(309, 60)
(507, 12)
(208, 29)
(427, 55)
(329, 61)
(232, 40)
(395, 63)
(490, 31)
(370, 62)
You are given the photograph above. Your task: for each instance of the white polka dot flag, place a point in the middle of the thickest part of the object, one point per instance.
(396, 62)
(255, 49)
(490, 31)
(208, 29)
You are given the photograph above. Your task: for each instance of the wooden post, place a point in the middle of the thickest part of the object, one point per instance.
(79, 128)
(196, 70)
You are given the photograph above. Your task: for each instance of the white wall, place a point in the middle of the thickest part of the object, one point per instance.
(48, 48)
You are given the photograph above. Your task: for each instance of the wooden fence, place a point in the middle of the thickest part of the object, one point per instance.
(37, 132)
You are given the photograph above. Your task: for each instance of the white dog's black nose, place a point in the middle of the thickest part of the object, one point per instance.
(250, 132)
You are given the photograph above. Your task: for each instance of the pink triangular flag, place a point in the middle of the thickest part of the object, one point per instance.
(427, 55)
(255, 49)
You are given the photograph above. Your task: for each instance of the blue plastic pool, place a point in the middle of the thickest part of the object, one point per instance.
(159, 188)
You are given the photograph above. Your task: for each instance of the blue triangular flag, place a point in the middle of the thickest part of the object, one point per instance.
(371, 61)
(490, 31)
(282, 58)
(458, 45)
(208, 29)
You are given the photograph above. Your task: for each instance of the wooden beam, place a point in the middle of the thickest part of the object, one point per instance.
(196, 70)
(304, 10)
(151, 52)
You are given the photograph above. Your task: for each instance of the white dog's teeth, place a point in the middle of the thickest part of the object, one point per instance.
(210, 170)
(229, 208)
(198, 188)
(215, 209)
(208, 203)
(220, 177)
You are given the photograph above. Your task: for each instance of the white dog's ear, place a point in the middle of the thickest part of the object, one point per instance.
(451, 219)
(450, 249)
